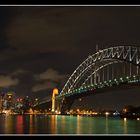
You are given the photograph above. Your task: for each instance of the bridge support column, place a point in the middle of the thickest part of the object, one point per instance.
(130, 68)
(66, 104)
(98, 78)
(55, 92)
(95, 78)
(137, 70)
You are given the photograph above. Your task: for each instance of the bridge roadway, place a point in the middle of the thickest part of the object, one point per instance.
(107, 86)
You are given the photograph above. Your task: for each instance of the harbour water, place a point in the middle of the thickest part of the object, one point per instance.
(63, 125)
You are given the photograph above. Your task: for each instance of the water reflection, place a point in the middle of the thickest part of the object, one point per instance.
(31, 124)
(8, 123)
(63, 124)
(90, 124)
(35, 122)
(53, 123)
(19, 124)
(57, 124)
(125, 125)
(106, 125)
(78, 130)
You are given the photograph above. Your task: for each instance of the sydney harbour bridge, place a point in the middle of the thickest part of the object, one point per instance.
(109, 68)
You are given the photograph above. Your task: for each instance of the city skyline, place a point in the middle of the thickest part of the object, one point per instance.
(42, 46)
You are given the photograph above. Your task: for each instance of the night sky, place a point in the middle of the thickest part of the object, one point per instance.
(40, 47)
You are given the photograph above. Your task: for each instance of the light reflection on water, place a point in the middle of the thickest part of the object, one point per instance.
(78, 130)
(53, 123)
(57, 124)
(19, 123)
(125, 125)
(31, 125)
(106, 125)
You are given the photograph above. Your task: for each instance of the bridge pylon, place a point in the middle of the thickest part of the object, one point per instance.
(55, 92)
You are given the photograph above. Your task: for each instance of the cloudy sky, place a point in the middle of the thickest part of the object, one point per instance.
(40, 47)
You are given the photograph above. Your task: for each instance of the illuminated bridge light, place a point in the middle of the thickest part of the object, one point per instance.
(121, 78)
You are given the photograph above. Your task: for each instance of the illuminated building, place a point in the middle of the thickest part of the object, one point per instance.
(1, 103)
(26, 104)
(18, 105)
(9, 98)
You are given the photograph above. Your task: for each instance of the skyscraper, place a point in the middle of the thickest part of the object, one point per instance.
(9, 98)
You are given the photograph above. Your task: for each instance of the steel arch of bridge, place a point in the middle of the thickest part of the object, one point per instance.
(91, 70)
(99, 68)
(130, 54)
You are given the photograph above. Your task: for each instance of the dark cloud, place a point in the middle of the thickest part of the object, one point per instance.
(50, 74)
(70, 29)
(62, 29)
(7, 81)
(48, 80)
(18, 72)
(44, 86)
(41, 31)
